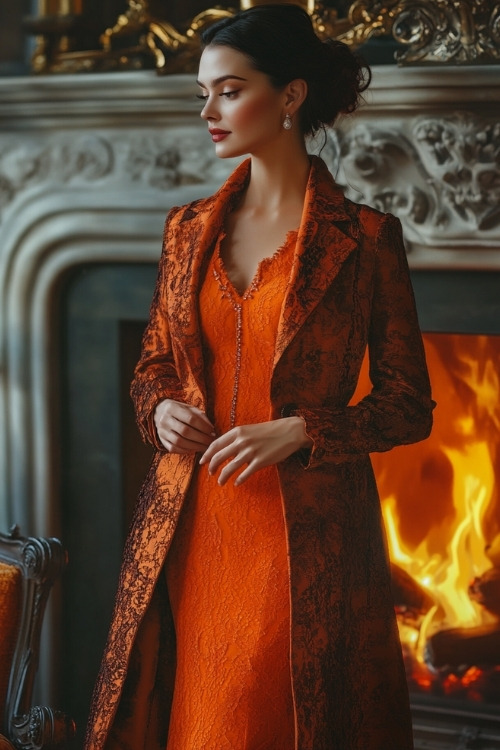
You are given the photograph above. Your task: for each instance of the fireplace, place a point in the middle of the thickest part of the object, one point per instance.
(441, 506)
(89, 165)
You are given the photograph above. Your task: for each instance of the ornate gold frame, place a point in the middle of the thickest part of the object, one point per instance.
(433, 31)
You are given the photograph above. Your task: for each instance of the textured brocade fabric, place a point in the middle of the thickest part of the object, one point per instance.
(227, 569)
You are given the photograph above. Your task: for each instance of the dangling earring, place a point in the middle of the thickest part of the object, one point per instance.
(287, 122)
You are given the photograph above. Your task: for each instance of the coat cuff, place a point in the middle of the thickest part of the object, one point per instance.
(305, 455)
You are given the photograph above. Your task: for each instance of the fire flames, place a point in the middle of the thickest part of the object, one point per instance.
(442, 515)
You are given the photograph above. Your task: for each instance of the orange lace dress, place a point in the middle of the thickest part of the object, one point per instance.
(227, 570)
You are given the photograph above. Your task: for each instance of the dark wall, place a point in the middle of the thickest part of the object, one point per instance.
(13, 52)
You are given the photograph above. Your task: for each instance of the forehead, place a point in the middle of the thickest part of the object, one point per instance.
(217, 62)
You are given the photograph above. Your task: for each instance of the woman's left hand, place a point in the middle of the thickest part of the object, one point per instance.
(256, 445)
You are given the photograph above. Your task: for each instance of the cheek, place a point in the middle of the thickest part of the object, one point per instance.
(255, 112)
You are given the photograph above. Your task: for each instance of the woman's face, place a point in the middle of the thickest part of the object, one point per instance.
(243, 110)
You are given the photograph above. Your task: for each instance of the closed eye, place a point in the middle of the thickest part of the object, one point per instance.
(227, 94)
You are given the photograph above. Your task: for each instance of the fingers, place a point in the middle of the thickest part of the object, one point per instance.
(182, 428)
(184, 413)
(242, 457)
(235, 449)
(175, 443)
(254, 447)
(231, 468)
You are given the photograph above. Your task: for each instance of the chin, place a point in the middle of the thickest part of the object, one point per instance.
(226, 151)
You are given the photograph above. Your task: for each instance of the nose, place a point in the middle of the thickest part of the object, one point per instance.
(208, 112)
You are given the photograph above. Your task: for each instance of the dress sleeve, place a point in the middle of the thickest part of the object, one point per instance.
(155, 375)
(398, 410)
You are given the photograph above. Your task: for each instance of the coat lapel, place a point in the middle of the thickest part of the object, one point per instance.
(322, 248)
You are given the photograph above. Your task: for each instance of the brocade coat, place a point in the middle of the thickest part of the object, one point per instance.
(349, 288)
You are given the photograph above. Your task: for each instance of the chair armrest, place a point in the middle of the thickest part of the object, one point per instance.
(42, 728)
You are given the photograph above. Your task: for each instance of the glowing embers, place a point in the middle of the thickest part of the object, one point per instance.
(441, 506)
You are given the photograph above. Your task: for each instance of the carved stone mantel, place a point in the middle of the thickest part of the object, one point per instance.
(90, 164)
(426, 146)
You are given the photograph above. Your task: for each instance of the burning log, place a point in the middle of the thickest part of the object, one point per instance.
(459, 647)
(486, 590)
(407, 593)
(493, 551)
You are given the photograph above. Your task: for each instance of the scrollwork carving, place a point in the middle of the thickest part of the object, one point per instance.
(382, 168)
(462, 158)
(154, 162)
(40, 561)
(20, 167)
(89, 158)
(441, 176)
(367, 18)
(164, 162)
(35, 162)
(433, 31)
(448, 31)
(437, 173)
(41, 728)
(44, 558)
(160, 162)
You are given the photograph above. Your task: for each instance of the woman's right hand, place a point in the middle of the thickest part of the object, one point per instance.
(182, 428)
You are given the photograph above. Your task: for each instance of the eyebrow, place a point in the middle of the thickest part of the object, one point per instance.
(221, 79)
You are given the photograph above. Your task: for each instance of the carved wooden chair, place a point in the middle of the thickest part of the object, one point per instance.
(28, 568)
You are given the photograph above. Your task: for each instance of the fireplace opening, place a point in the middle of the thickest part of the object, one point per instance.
(442, 515)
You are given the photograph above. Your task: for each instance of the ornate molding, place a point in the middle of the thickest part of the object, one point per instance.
(151, 159)
(439, 174)
(448, 31)
(41, 561)
(42, 728)
(366, 18)
(461, 157)
(433, 31)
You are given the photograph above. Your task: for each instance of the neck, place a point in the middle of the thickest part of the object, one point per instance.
(277, 180)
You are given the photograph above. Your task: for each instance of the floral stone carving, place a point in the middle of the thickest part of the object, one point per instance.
(441, 175)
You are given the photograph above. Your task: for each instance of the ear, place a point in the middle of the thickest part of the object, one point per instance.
(295, 95)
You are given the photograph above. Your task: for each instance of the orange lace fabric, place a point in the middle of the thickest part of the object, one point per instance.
(227, 569)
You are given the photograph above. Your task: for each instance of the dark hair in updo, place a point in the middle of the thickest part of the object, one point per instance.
(279, 40)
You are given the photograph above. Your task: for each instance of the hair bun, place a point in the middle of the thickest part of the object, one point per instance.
(352, 76)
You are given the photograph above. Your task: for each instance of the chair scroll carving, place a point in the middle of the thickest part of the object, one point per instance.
(40, 562)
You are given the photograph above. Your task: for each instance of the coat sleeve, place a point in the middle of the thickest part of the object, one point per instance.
(398, 410)
(155, 375)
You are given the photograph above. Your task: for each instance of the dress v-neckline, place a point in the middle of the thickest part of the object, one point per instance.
(262, 264)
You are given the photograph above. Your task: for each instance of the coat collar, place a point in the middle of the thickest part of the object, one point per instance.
(324, 242)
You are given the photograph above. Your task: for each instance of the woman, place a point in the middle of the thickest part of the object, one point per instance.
(254, 608)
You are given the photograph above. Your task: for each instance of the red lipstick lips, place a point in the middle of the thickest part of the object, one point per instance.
(218, 135)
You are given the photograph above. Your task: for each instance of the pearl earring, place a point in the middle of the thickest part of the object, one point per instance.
(287, 122)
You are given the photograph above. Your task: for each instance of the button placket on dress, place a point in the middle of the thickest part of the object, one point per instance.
(227, 293)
